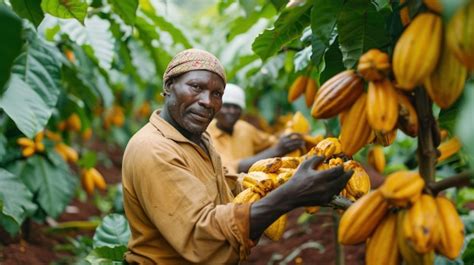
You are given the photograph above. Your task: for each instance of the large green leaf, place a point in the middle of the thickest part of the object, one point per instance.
(11, 43)
(164, 25)
(323, 25)
(360, 28)
(332, 63)
(465, 126)
(126, 9)
(106, 255)
(57, 185)
(16, 202)
(243, 24)
(288, 27)
(66, 9)
(29, 9)
(113, 231)
(302, 58)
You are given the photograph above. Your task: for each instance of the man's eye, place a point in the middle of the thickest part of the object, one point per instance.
(218, 94)
(196, 86)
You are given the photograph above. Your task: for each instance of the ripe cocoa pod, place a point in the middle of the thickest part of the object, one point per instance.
(446, 83)
(460, 35)
(99, 181)
(449, 148)
(276, 229)
(74, 122)
(402, 188)
(310, 92)
(407, 117)
(247, 196)
(373, 65)
(297, 88)
(385, 139)
(359, 183)
(417, 51)
(269, 165)
(376, 158)
(382, 105)
(452, 229)
(381, 248)
(327, 147)
(337, 94)
(355, 131)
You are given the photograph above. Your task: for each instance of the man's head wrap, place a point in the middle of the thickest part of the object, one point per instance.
(193, 59)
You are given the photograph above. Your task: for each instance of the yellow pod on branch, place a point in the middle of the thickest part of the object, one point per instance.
(452, 229)
(449, 148)
(297, 88)
(434, 5)
(382, 105)
(460, 35)
(402, 188)
(337, 94)
(376, 158)
(327, 147)
(417, 51)
(373, 65)
(310, 92)
(359, 183)
(381, 248)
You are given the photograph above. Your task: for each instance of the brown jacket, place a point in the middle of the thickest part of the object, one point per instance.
(178, 203)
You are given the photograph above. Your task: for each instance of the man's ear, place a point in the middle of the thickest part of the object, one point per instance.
(168, 86)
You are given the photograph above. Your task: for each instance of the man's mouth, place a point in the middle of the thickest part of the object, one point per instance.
(201, 116)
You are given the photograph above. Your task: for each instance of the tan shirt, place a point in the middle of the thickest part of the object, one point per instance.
(245, 141)
(178, 203)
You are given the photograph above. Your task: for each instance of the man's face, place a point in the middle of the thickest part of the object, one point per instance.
(228, 116)
(195, 97)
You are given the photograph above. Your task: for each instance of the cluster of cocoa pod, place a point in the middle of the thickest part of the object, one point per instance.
(299, 124)
(398, 221)
(303, 85)
(268, 174)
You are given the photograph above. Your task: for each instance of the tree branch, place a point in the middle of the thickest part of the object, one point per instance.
(339, 202)
(460, 180)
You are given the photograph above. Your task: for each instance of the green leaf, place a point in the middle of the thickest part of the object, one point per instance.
(107, 255)
(465, 126)
(113, 231)
(302, 58)
(287, 27)
(243, 24)
(332, 63)
(16, 200)
(360, 28)
(29, 9)
(164, 25)
(382, 4)
(279, 4)
(66, 9)
(56, 187)
(10, 46)
(468, 255)
(3, 144)
(323, 26)
(126, 9)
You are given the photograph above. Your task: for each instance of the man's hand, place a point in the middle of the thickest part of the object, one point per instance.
(310, 187)
(289, 142)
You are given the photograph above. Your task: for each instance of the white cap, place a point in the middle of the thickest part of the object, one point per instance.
(234, 94)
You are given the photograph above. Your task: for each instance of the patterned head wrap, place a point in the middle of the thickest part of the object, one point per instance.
(193, 59)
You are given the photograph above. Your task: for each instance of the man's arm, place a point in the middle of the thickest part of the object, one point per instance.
(308, 187)
(285, 145)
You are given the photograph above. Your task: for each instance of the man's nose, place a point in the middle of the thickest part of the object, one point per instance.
(205, 99)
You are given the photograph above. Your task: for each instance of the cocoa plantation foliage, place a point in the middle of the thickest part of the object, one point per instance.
(372, 85)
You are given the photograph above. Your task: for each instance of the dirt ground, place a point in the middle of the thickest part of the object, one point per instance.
(310, 243)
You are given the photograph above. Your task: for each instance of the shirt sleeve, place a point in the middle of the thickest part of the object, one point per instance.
(178, 204)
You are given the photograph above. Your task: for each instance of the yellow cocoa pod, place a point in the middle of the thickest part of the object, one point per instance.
(373, 65)
(434, 5)
(297, 88)
(337, 94)
(39, 147)
(328, 147)
(421, 224)
(310, 92)
(99, 181)
(276, 229)
(67, 153)
(407, 117)
(312, 141)
(385, 139)
(460, 35)
(290, 162)
(404, 14)
(62, 125)
(361, 218)
(382, 105)
(269, 165)
(449, 148)
(355, 131)
(25, 142)
(87, 181)
(417, 51)
(28, 151)
(452, 229)
(74, 122)
(247, 196)
(381, 248)
(376, 158)
(86, 134)
(284, 174)
(446, 83)
(443, 134)
(299, 124)
(408, 253)
(359, 183)
(55, 137)
(402, 188)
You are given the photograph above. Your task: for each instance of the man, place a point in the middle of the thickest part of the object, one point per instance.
(239, 143)
(176, 199)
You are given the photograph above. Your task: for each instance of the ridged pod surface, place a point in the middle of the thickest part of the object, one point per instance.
(361, 218)
(421, 225)
(337, 94)
(402, 188)
(382, 105)
(376, 158)
(247, 196)
(269, 165)
(355, 131)
(446, 83)
(449, 148)
(408, 253)
(381, 248)
(276, 229)
(310, 92)
(460, 34)
(407, 117)
(373, 65)
(452, 229)
(327, 147)
(417, 51)
(297, 88)
(359, 183)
